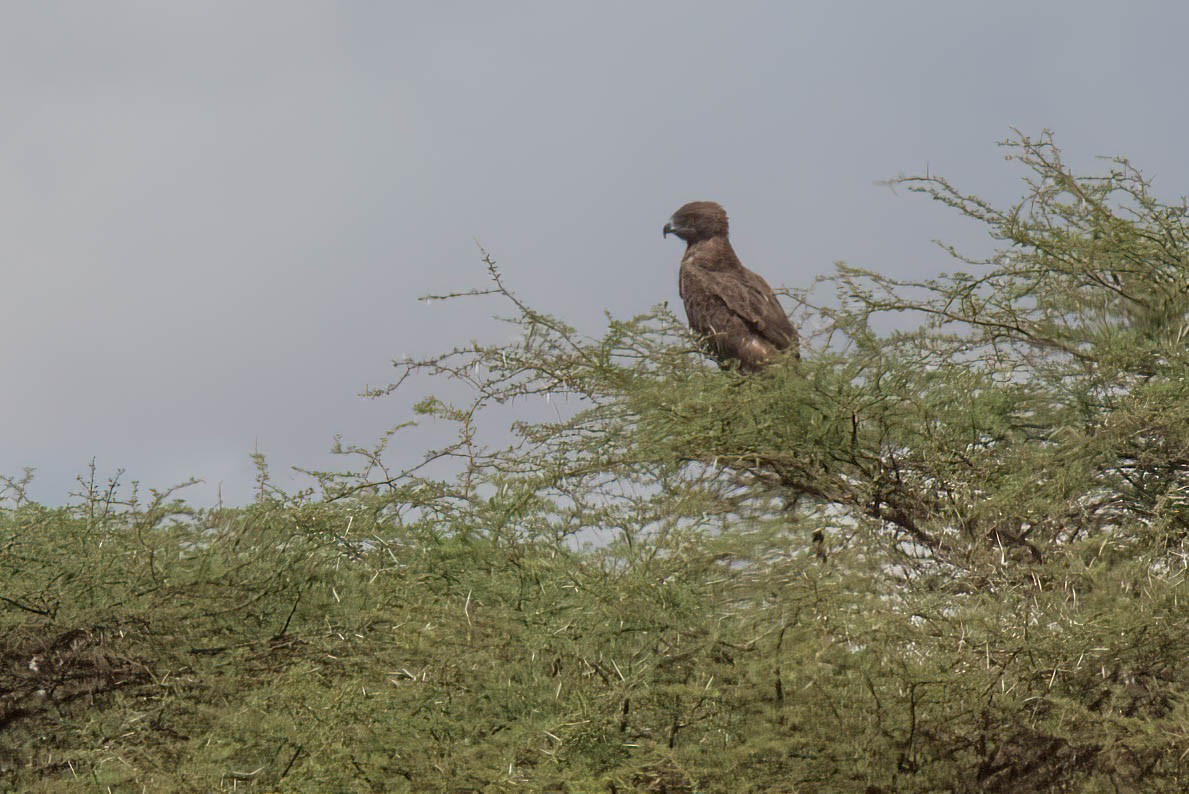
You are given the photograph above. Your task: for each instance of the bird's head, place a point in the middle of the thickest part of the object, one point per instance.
(698, 220)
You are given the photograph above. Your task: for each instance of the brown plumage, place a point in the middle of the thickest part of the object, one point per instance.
(732, 307)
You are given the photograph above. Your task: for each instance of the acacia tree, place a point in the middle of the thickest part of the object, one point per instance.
(1001, 487)
(627, 595)
(1033, 406)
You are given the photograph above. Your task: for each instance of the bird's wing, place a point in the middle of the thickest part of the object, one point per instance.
(750, 297)
(707, 310)
(738, 320)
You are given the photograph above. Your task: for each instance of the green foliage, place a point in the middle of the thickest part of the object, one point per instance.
(950, 557)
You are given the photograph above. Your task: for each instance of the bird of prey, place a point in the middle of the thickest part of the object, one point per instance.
(734, 309)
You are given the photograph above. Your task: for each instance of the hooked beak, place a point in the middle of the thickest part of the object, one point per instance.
(666, 231)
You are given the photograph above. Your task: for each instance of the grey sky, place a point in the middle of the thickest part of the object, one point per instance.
(215, 218)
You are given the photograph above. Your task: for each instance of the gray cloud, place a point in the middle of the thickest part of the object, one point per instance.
(215, 218)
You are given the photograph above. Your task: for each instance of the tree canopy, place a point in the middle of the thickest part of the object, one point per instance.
(950, 556)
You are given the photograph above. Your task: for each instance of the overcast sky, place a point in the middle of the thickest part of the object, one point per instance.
(216, 217)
